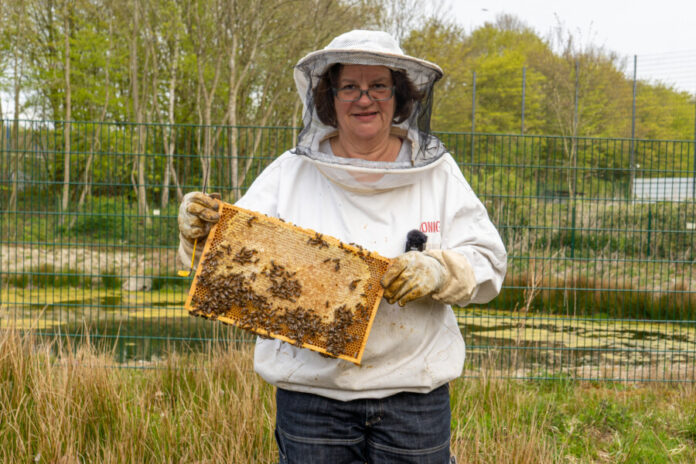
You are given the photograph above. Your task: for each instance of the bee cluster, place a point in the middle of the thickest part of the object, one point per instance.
(338, 336)
(282, 283)
(237, 283)
(245, 256)
(318, 241)
(226, 288)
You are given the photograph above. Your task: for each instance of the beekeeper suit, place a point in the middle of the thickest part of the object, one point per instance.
(415, 344)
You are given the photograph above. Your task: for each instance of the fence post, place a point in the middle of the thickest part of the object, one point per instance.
(577, 96)
(574, 160)
(4, 129)
(649, 230)
(524, 85)
(632, 160)
(693, 182)
(473, 119)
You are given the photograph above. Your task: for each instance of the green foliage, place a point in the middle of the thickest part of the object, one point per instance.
(664, 112)
(170, 281)
(104, 218)
(107, 218)
(444, 45)
(47, 275)
(587, 297)
(689, 428)
(110, 280)
(497, 52)
(233, 66)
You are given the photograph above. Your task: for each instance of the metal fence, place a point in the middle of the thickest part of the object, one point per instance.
(601, 281)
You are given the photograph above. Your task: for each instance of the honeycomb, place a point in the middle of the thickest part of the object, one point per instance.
(282, 281)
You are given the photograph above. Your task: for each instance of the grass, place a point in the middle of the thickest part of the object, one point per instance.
(63, 403)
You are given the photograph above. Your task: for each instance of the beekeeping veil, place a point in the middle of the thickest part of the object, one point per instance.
(377, 49)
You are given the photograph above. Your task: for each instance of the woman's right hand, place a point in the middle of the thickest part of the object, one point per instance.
(197, 215)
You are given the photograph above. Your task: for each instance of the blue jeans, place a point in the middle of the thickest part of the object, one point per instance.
(403, 428)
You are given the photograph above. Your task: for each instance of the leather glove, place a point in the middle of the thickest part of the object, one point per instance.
(197, 215)
(412, 275)
(445, 275)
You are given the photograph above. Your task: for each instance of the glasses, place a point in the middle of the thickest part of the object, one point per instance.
(375, 93)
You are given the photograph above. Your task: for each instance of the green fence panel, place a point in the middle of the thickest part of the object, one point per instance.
(600, 232)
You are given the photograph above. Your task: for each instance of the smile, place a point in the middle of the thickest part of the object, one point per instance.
(365, 115)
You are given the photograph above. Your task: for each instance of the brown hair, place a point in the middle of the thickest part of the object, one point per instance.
(405, 93)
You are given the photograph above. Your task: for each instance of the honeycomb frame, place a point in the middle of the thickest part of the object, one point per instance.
(281, 281)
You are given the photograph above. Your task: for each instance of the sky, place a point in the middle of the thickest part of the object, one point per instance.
(661, 33)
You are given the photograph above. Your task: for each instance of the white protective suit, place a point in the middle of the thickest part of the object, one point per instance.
(415, 348)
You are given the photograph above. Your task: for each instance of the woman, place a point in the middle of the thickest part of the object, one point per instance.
(367, 171)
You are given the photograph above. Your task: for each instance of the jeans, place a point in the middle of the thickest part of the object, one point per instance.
(403, 428)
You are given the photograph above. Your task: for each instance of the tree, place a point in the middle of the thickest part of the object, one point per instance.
(401, 17)
(586, 94)
(260, 67)
(663, 112)
(165, 30)
(15, 33)
(499, 52)
(444, 44)
(67, 21)
(4, 48)
(586, 75)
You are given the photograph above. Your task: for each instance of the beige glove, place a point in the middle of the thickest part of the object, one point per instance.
(445, 275)
(197, 215)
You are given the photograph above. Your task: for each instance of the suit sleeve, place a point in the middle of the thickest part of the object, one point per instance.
(468, 232)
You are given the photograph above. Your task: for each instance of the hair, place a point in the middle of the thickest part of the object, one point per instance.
(405, 93)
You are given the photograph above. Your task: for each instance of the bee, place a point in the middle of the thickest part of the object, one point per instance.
(354, 284)
(250, 220)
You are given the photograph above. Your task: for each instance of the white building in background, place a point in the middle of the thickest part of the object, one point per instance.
(664, 189)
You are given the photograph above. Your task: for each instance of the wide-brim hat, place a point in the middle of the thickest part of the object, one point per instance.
(375, 48)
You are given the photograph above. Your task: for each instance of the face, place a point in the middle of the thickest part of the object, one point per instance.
(364, 120)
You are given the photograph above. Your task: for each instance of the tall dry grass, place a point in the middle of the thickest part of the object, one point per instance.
(64, 404)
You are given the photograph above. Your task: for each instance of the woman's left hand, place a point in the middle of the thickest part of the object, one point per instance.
(445, 275)
(412, 275)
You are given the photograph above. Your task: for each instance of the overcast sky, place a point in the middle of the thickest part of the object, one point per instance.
(662, 33)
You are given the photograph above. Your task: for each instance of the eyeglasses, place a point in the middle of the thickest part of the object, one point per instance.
(375, 93)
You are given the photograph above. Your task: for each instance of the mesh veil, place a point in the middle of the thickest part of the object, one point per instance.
(376, 49)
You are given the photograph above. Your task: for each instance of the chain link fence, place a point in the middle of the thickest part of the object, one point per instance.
(601, 236)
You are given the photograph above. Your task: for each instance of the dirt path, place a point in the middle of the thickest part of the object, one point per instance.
(134, 266)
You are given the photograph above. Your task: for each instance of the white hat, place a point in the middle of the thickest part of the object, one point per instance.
(374, 48)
